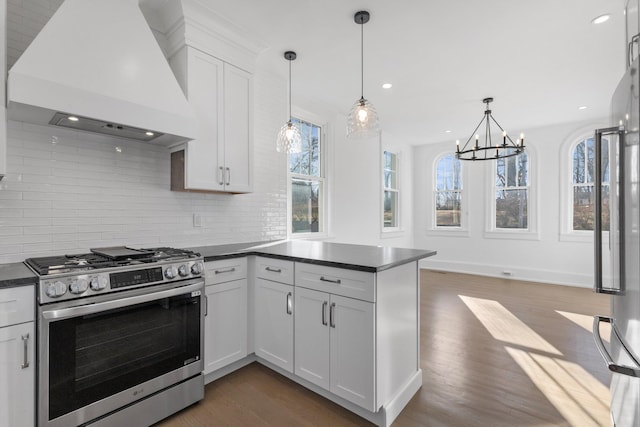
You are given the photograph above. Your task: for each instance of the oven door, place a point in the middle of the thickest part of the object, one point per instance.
(109, 351)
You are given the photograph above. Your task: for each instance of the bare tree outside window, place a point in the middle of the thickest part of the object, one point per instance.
(448, 192)
(307, 181)
(583, 174)
(512, 192)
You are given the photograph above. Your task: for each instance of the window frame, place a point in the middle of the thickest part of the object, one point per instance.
(567, 233)
(529, 233)
(323, 199)
(397, 190)
(453, 231)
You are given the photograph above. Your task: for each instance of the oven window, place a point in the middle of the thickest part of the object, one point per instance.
(94, 356)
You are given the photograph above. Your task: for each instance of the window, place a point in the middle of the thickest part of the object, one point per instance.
(391, 192)
(583, 173)
(512, 192)
(448, 192)
(306, 177)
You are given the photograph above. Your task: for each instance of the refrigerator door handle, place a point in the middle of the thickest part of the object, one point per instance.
(619, 369)
(616, 205)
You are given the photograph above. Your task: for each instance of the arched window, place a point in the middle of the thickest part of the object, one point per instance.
(583, 173)
(512, 193)
(448, 192)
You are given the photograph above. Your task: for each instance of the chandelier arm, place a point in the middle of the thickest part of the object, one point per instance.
(507, 135)
(472, 134)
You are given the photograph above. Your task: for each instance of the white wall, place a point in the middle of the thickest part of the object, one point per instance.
(357, 191)
(551, 256)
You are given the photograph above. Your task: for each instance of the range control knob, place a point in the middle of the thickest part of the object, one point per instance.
(98, 283)
(78, 286)
(56, 289)
(170, 272)
(196, 268)
(183, 271)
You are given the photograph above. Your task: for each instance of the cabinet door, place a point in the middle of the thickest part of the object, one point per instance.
(238, 117)
(225, 326)
(17, 384)
(353, 350)
(312, 336)
(205, 93)
(274, 323)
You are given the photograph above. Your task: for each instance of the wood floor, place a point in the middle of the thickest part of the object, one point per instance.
(494, 352)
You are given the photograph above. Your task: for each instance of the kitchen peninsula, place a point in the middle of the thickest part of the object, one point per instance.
(339, 319)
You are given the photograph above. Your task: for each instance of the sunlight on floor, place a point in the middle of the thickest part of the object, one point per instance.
(575, 393)
(504, 326)
(586, 322)
(578, 396)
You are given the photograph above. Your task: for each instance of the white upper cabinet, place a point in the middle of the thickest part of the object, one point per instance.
(221, 158)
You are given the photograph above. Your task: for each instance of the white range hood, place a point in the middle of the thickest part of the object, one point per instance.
(97, 61)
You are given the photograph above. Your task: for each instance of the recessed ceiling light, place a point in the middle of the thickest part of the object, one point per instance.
(447, 131)
(387, 86)
(73, 118)
(149, 133)
(582, 107)
(600, 19)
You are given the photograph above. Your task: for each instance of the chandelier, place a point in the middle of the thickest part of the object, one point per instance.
(490, 149)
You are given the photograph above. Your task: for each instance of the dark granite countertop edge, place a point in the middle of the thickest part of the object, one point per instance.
(18, 275)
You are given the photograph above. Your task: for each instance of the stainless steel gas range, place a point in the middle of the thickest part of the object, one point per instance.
(120, 336)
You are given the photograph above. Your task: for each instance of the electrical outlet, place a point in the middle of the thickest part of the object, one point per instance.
(197, 220)
(507, 273)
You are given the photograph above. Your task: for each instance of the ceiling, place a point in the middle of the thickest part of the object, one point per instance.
(540, 60)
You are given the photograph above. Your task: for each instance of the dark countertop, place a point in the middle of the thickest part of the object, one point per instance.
(16, 274)
(353, 257)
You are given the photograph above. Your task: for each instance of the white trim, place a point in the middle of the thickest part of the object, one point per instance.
(323, 233)
(386, 232)
(434, 229)
(553, 277)
(531, 232)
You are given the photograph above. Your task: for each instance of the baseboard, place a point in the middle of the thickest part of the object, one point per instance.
(397, 404)
(516, 273)
(212, 376)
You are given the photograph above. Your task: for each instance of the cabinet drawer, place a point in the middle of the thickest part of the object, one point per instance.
(339, 281)
(17, 305)
(276, 270)
(225, 270)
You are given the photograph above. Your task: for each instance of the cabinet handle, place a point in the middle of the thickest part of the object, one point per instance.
(332, 310)
(206, 306)
(324, 313)
(25, 360)
(221, 175)
(228, 270)
(324, 279)
(228, 176)
(289, 303)
(273, 270)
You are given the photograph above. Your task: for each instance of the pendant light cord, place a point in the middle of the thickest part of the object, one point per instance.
(290, 91)
(362, 60)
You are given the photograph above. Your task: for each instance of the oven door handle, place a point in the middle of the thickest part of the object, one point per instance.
(64, 313)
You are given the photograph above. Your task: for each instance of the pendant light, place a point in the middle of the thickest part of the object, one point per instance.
(362, 121)
(489, 150)
(289, 139)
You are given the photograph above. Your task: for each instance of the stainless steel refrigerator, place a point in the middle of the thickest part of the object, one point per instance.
(617, 241)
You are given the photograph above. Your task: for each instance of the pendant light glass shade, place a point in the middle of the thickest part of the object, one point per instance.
(289, 139)
(362, 121)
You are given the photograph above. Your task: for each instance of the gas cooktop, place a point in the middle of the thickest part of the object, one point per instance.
(117, 256)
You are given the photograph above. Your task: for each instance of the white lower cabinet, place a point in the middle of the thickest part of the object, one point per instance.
(274, 323)
(225, 325)
(17, 357)
(335, 345)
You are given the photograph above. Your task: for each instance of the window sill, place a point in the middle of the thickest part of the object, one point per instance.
(390, 233)
(512, 234)
(308, 236)
(448, 232)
